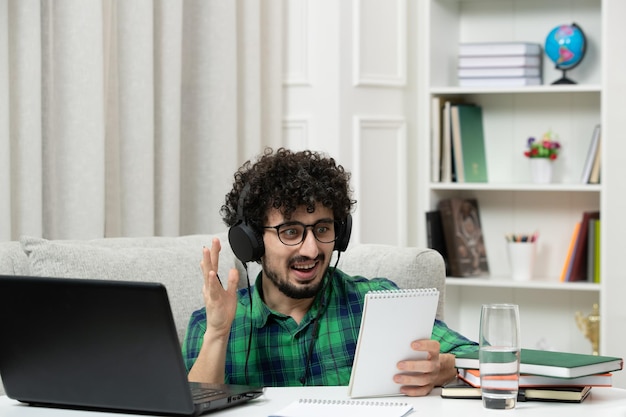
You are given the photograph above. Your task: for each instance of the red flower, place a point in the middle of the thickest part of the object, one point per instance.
(553, 156)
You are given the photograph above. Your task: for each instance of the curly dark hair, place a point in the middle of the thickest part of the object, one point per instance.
(286, 180)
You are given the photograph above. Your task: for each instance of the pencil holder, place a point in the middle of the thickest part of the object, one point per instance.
(522, 260)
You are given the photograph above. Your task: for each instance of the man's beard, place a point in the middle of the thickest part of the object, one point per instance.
(292, 290)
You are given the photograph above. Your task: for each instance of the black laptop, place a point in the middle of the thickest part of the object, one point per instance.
(99, 345)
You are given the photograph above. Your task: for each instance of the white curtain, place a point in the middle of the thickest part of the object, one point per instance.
(129, 117)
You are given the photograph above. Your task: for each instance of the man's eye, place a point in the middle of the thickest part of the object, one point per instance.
(291, 232)
(322, 229)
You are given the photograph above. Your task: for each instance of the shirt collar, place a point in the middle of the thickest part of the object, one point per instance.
(261, 313)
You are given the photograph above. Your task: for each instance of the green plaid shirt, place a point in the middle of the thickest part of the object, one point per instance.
(280, 346)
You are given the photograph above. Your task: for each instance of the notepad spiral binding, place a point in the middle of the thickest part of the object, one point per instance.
(405, 292)
(369, 403)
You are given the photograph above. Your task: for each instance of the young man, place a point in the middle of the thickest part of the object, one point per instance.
(299, 323)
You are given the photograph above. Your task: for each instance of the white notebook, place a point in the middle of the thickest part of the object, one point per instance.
(342, 408)
(391, 321)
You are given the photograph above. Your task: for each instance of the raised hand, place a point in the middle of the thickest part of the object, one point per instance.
(220, 303)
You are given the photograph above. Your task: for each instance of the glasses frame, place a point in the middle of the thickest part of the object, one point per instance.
(306, 227)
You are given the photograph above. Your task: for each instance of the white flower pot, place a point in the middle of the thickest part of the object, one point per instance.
(541, 170)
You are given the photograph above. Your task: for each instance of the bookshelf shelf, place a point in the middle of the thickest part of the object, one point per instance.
(506, 282)
(542, 89)
(579, 188)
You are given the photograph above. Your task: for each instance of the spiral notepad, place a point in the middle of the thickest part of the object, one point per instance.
(341, 408)
(391, 321)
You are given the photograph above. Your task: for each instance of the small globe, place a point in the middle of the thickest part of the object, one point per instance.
(565, 45)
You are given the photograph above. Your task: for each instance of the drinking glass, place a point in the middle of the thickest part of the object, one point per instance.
(499, 355)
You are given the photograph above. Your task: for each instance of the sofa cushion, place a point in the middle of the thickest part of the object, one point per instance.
(13, 260)
(174, 262)
(408, 267)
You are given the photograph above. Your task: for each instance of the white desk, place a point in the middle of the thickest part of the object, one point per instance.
(603, 402)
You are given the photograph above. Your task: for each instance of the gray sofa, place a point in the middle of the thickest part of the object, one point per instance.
(175, 262)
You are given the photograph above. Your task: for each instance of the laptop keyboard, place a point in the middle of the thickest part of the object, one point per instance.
(203, 394)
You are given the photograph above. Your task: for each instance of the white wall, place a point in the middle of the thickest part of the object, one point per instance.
(347, 78)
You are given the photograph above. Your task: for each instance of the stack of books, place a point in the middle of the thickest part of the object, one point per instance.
(544, 375)
(499, 64)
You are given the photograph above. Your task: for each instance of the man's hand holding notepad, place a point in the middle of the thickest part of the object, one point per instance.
(391, 321)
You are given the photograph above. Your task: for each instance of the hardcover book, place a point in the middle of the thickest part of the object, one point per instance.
(569, 257)
(580, 255)
(472, 377)
(509, 61)
(594, 176)
(460, 389)
(596, 264)
(469, 143)
(499, 72)
(499, 48)
(591, 250)
(434, 236)
(460, 219)
(499, 81)
(591, 155)
(552, 363)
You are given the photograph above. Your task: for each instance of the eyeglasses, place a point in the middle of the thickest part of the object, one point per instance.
(294, 233)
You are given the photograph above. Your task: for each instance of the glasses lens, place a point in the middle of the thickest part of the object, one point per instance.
(291, 233)
(324, 231)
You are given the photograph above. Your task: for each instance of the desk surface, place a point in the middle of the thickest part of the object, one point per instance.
(601, 401)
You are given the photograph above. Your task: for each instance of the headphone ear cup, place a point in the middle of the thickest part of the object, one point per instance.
(343, 235)
(247, 245)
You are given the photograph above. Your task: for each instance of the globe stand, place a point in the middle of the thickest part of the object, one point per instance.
(563, 79)
(566, 46)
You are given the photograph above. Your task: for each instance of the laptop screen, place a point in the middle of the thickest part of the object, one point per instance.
(91, 344)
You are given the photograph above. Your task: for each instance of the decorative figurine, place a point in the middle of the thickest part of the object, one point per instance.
(590, 326)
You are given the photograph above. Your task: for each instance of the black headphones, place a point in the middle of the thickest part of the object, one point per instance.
(248, 245)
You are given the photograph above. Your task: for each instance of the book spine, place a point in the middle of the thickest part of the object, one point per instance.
(579, 263)
(594, 177)
(435, 132)
(500, 61)
(498, 72)
(499, 49)
(446, 145)
(449, 233)
(434, 236)
(596, 274)
(457, 146)
(499, 82)
(591, 155)
(570, 251)
(591, 250)
(472, 143)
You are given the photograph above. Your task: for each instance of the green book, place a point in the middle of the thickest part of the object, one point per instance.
(550, 363)
(472, 143)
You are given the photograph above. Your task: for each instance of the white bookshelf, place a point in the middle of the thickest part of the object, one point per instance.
(510, 202)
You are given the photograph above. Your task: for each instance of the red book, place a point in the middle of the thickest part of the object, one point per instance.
(472, 377)
(579, 261)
